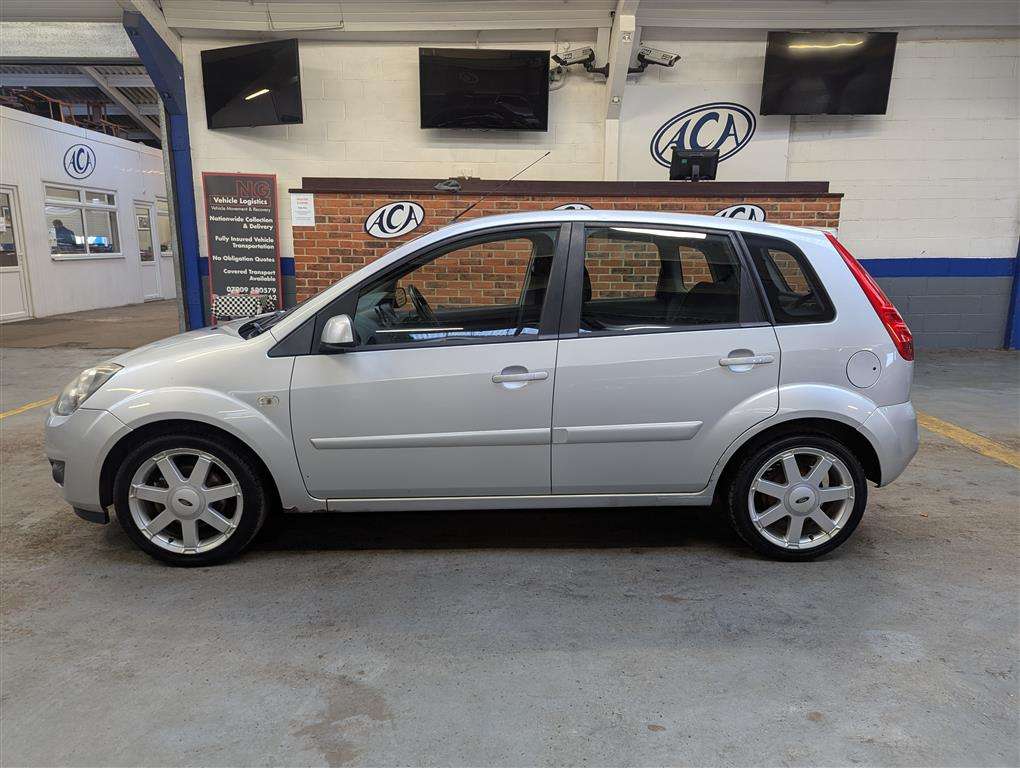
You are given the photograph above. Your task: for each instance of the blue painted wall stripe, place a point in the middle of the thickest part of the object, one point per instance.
(940, 267)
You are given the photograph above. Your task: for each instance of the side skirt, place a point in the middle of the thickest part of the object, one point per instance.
(552, 501)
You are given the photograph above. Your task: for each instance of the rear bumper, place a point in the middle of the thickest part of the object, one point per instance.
(893, 429)
(81, 442)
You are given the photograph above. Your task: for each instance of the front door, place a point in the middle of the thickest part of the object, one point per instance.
(448, 391)
(13, 279)
(150, 268)
(665, 360)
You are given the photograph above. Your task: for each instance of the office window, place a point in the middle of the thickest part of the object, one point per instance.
(163, 228)
(81, 222)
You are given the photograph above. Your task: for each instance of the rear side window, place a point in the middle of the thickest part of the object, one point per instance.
(791, 286)
(642, 279)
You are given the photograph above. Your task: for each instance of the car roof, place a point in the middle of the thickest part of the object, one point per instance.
(723, 223)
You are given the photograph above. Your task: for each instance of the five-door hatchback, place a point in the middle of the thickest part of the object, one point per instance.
(548, 359)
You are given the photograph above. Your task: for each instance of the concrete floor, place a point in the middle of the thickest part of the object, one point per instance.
(525, 638)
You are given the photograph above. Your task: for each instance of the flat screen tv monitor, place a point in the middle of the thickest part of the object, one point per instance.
(489, 89)
(248, 85)
(827, 73)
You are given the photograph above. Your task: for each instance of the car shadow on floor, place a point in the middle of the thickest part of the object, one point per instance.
(486, 529)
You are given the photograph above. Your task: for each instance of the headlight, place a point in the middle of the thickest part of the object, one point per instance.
(83, 386)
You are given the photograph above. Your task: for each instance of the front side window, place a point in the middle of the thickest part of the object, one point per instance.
(81, 222)
(640, 279)
(791, 286)
(491, 288)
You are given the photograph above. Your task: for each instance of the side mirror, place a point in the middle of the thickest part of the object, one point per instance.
(338, 332)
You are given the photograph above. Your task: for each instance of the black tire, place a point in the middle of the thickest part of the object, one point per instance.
(740, 487)
(253, 513)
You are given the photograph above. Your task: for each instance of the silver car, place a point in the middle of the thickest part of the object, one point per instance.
(548, 359)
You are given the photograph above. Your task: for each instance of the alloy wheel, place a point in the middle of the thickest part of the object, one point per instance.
(185, 501)
(801, 498)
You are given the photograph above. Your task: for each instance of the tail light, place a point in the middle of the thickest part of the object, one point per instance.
(886, 311)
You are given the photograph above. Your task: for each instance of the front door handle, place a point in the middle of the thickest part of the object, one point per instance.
(507, 378)
(747, 360)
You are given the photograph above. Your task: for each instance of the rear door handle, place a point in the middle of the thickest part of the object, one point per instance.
(749, 360)
(505, 378)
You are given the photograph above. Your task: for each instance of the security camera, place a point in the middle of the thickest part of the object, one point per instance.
(648, 56)
(584, 56)
(655, 56)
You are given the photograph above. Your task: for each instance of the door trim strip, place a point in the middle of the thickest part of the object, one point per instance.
(539, 436)
(626, 433)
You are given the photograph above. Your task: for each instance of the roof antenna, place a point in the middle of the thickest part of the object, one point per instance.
(476, 202)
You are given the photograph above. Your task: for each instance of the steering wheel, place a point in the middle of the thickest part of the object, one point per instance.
(421, 305)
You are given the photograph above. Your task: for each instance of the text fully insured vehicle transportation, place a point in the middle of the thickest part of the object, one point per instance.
(548, 359)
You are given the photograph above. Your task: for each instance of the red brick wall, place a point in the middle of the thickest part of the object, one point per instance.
(338, 244)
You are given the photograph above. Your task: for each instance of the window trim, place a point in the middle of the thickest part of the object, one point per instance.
(548, 319)
(751, 303)
(82, 205)
(797, 252)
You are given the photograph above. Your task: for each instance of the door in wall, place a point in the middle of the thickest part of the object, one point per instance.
(14, 303)
(144, 218)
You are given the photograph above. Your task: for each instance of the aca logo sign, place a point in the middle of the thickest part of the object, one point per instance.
(745, 211)
(80, 161)
(723, 125)
(573, 207)
(394, 219)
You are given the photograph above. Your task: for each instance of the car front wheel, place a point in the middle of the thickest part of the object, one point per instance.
(798, 497)
(189, 500)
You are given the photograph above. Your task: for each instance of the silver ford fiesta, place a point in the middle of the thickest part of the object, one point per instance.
(550, 359)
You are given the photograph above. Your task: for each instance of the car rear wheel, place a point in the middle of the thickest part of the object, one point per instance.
(798, 497)
(189, 500)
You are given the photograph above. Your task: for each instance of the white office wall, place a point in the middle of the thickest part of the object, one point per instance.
(361, 120)
(937, 176)
(31, 155)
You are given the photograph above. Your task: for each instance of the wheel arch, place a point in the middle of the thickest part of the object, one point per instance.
(847, 434)
(136, 437)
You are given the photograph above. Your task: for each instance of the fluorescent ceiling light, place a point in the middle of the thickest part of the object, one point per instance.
(260, 92)
(661, 233)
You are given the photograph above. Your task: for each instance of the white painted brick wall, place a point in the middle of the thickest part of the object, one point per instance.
(939, 175)
(361, 120)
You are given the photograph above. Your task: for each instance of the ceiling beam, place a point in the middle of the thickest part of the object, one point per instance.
(70, 80)
(621, 44)
(153, 14)
(123, 101)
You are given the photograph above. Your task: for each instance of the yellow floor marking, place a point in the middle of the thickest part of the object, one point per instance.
(27, 407)
(968, 439)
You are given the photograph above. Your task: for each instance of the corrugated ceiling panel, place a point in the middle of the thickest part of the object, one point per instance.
(806, 14)
(386, 15)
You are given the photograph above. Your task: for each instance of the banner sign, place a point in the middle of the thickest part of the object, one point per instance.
(723, 116)
(242, 224)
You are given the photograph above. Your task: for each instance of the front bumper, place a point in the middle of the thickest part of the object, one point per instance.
(81, 441)
(893, 429)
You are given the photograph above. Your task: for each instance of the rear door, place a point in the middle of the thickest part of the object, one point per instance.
(665, 357)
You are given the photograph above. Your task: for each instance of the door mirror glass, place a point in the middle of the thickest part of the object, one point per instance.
(338, 332)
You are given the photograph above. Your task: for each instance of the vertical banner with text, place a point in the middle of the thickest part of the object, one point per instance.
(242, 223)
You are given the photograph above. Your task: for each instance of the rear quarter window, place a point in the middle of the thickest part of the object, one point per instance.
(791, 285)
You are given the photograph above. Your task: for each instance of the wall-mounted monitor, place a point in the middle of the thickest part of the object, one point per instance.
(248, 85)
(827, 73)
(488, 89)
